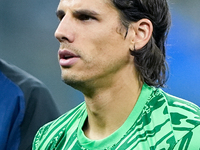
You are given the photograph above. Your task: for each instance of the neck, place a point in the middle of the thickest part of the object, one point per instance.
(108, 108)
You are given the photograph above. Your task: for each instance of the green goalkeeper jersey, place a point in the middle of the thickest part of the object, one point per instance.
(158, 121)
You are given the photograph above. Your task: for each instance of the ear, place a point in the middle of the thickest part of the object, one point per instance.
(142, 33)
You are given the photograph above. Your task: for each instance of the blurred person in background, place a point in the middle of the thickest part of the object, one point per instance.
(113, 51)
(25, 105)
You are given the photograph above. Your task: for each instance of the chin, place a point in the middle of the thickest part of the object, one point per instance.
(73, 82)
(80, 85)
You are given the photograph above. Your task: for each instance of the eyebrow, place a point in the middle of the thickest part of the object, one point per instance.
(61, 13)
(85, 12)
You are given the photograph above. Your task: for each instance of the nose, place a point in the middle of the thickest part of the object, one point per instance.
(65, 30)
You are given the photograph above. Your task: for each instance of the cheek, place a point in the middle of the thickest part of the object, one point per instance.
(103, 45)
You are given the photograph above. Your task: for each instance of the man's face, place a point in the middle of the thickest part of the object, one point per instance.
(92, 45)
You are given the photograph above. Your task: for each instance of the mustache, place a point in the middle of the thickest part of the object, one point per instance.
(71, 48)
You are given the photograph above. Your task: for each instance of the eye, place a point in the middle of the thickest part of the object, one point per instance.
(60, 14)
(61, 17)
(84, 17)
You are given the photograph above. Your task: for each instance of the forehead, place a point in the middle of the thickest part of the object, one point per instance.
(85, 4)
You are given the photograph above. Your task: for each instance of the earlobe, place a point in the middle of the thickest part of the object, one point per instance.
(143, 32)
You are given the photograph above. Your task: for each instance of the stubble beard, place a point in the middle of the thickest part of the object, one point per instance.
(79, 85)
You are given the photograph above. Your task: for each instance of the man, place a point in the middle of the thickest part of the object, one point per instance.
(25, 105)
(113, 51)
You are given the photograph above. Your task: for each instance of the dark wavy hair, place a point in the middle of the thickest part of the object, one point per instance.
(150, 60)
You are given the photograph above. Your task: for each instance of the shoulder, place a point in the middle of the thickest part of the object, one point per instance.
(184, 117)
(18, 76)
(181, 109)
(54, 131)
(11, 96)
(31, 87)
(189, 140)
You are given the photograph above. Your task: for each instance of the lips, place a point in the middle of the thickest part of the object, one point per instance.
(67, 58)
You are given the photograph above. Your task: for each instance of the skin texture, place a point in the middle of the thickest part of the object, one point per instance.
(104, 70)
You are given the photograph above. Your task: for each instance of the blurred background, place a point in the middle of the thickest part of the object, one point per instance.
(27, 41)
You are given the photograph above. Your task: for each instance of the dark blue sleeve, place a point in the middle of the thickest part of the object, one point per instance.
(12, 108)
(40, 107)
